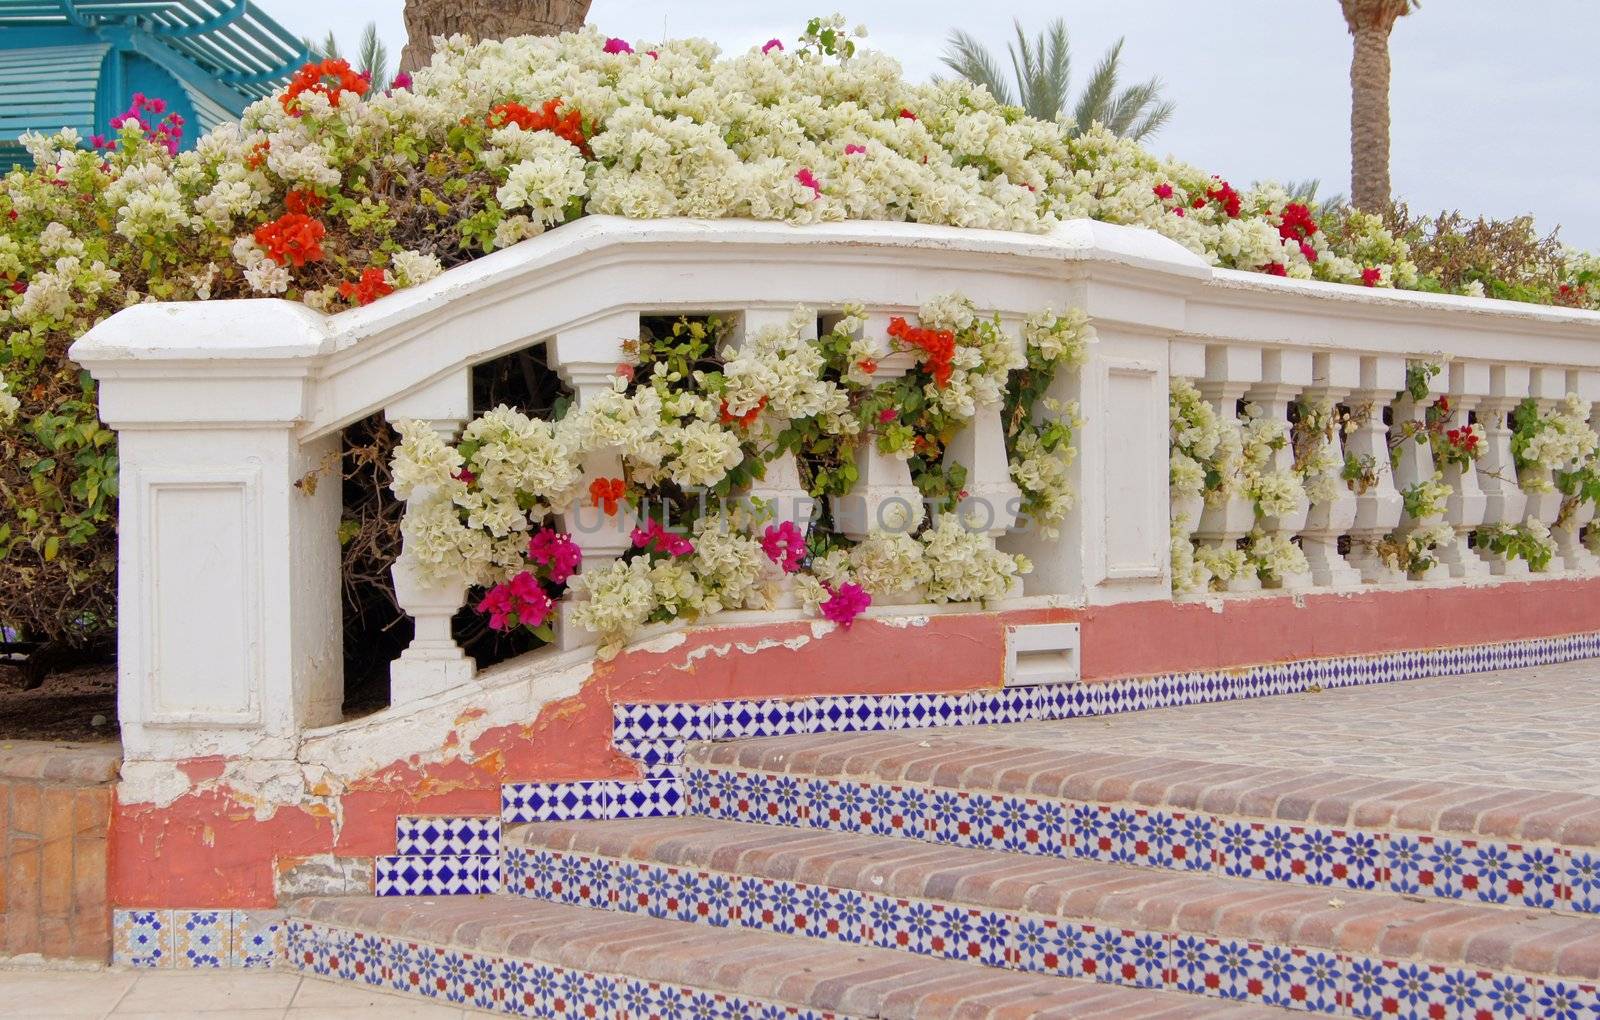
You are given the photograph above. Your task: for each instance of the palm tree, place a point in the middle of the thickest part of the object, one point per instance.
(373, 57)
(1041, 69)
(484, 19)
(1370, 22)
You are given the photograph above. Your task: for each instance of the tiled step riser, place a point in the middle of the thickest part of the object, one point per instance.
(661, 796)
(1293, 977)
(441, 856)
(1541, 877)
(509, 986)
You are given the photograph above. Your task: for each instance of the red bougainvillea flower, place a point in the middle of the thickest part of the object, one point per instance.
(550, 117)
(292, 239)
(906, 114)
(605, 492)
(330, 78)
(887, 415)
(655, 538)
(1163, 191)
(937, 345)
(772, 44)
(1464, 439)
(1275, 269)
(747, 419)
(1223, 194)
(845, 603)
(618, 46)
(809, 179)
(784, 545)
(551, 548)
(519, 602)
(303, 201)
(1309, 252)
(1370, 276)
(368, 289)
(1296, 223)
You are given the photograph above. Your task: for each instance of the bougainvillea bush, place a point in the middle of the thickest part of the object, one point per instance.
(336, 193)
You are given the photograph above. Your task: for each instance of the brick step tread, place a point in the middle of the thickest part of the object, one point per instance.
(1103, 894)
(982, 758)
(844, 980)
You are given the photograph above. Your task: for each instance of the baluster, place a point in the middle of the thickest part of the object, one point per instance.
(588, 358)
(883, 497)
(1333, 377)
(1505, 501)
(1416, 464)
(1469, 383)
(1230, 372)
(993, 499)
(432, 662)
(1569, 533)
(1284, 374)
(1186, 360)
(1548, 387)
(1378, 507)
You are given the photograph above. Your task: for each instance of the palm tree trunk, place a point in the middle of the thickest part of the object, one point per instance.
(1369, 117)
(484, 19)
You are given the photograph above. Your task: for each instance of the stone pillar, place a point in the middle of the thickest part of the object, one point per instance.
(1378, 508)
(433, 662)
(1575, 558)
(1333, 376)
(1504, 501)
(981, 449)
(1415, 463)
(1230, 372)
(1284, 375)
(1469, 384)
(883, 498)
(1548, 387)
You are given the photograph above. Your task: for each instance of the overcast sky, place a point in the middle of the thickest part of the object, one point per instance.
(1492, 103)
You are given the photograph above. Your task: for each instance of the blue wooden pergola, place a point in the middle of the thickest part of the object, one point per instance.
(76, 63)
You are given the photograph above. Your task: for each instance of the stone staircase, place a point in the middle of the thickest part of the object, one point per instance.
(990, 871)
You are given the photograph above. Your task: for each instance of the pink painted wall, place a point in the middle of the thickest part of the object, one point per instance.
(208, 849)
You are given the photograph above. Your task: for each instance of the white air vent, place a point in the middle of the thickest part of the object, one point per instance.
(1042, 653)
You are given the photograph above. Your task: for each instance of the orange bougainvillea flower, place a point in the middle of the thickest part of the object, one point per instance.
(293, 238)
(605, 492)
(747, 419)
(257, 157)
(368, 289)
(567, 124)
(303, 201)
(939, 346)
(330, 78)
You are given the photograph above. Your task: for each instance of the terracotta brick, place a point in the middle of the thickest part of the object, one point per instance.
(22, 933)
(55, 876)
(26, 818)
(55, 937)
(92, 811)
(22, 876)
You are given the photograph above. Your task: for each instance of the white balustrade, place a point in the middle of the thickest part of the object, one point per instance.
(1230, 372)
(993, 499)
(1469, 384)
(1334, 376)
(1414, 465)
(1547, 387)
(228, 412)
(1378, 502)
(1504, 500)
(1285, 374)
(1569, 530)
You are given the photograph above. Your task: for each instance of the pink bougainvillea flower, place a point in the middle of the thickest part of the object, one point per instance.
(809, 179)
(888, 414)
(552, 549)
(772, 44)
(401, 80)
(519, 602)
(784, 545)
(1163, 191)
(618, 46)
(845, 603)
(852, 149)
(655, 538)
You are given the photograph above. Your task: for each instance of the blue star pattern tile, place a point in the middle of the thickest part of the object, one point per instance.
(436, 875)
(649, 798)
(467, 836)
(200, 938)
(256, 938)
(142, 938)
(586, 800)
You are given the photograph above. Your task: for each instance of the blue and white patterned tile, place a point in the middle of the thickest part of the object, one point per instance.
(649, 798)
(761, 718)
(141, 938)
(200, 939)
(1583, 880)
(1389, 988)
(677, 720)
(586, 800)
(257, 938)
(437, 875)
(467, 836)
(582, 881)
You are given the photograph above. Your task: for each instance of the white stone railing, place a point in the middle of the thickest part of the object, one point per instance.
(230, 614)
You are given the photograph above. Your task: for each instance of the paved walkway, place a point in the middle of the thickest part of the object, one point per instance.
(202, 995)
(1536, 728)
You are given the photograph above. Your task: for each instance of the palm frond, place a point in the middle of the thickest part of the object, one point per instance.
(970, 59)
(374, 56)
(1095, 102)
